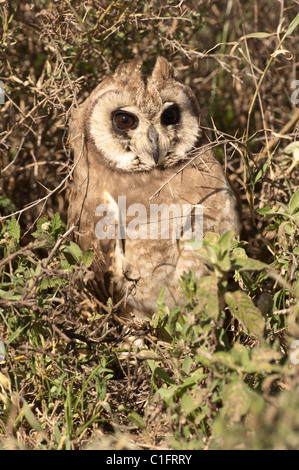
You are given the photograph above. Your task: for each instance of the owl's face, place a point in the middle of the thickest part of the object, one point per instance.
(139, 122)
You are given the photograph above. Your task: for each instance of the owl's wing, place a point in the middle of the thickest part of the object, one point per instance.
(84, 197)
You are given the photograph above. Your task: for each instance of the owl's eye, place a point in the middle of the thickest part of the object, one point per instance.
(170, 115)
(124, 121)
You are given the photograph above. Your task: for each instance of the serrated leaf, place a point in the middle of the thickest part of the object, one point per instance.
(246, 312)
(56, 222)
(65, 265)
(46, 239)
(264, 210)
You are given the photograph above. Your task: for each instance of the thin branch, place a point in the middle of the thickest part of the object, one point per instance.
(45, 198)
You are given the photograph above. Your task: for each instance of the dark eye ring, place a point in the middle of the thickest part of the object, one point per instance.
(123, 121)
(170, 115)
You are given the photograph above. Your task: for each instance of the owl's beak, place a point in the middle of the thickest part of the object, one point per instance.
(154, 138)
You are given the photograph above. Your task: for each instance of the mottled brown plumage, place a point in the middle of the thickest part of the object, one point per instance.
(158, 158)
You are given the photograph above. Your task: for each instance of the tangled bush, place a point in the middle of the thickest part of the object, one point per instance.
(218, 372)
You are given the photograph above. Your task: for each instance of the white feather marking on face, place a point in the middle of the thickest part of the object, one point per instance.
(133, 150)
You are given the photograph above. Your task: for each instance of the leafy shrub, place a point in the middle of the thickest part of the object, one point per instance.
(219, 371)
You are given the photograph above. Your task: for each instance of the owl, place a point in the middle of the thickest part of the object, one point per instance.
(144, 183)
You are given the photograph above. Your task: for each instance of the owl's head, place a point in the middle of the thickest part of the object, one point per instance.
(138, 122)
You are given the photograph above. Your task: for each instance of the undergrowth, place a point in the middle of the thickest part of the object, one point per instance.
(220, 371)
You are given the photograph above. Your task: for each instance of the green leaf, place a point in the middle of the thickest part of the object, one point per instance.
(207, 294)
(173, 318)
(156, 370)
(239, 399)
(190, 403)
(47, 283)
(248, 264)
(242, 263)
(160, 299)
(65, 265)
(294, 203)
(15, 334)
(14, 229)
(40, 222)
(292, 26)
(6, 203)
(225, 241)
(258, 35)
(187, 364)
(246, 312)
(87, 258)
(263, 210)
(291, 148)
(32, 420)
(74, 250)
(9, 295)
(56, 224)
(137, 419)
(263, 169)
(163, 375)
